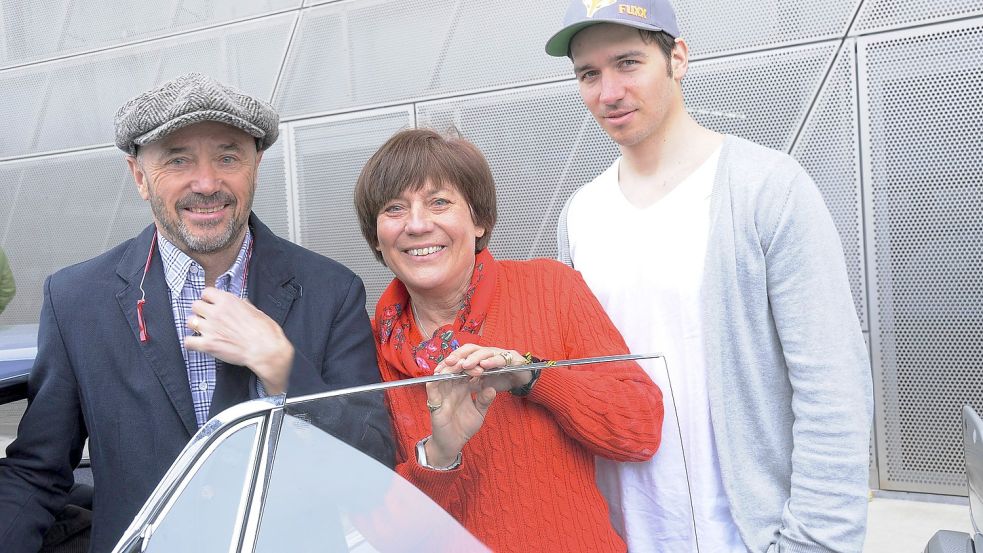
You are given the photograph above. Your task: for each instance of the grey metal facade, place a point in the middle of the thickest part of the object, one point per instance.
(880, 100)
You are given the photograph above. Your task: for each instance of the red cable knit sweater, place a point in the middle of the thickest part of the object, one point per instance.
(526, 482)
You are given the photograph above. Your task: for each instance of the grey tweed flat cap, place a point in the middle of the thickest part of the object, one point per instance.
(191, 99)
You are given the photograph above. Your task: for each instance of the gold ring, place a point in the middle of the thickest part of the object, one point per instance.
(507, 356)
(433, 408)
(194, 324)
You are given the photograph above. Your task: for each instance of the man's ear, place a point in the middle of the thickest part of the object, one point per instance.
(139, 177)
(679, 59)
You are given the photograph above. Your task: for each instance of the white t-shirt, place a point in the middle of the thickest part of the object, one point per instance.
(646, 267)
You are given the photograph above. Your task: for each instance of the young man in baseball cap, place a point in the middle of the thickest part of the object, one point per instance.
(721, 254)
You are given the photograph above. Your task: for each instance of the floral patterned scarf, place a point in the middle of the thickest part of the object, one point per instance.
(395, 323)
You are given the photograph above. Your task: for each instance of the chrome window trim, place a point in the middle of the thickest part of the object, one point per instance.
(249, 487)
(441, 377)
(250, 531)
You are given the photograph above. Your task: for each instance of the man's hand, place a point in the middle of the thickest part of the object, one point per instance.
(232, 330)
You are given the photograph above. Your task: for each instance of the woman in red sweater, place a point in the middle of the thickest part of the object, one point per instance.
(515, 468)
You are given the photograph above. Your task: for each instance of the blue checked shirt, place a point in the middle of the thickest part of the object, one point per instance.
(185, 283)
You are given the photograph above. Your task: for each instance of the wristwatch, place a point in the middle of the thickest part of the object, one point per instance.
(421, 457)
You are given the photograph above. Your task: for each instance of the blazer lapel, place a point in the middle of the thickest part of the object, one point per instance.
(272, 287)
(272, 290)
(162, 350)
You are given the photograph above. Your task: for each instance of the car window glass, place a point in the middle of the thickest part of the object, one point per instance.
(324, 495)
(316, 491)
(204, 515)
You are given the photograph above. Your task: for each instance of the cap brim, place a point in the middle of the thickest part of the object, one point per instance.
(199, 117)
(559, 44)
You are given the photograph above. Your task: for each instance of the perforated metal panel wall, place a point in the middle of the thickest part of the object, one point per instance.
(371, 52)
(271, 202)
(71, 103)
(90, 205)
(925, 116)
(886, 14)
(829, 150)
(715, 28)
(882, 110)
(761, 97)
(35, 31)
(329, 155)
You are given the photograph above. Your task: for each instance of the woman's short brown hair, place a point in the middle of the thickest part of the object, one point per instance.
(413, 158)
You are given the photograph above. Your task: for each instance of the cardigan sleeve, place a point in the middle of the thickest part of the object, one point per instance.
(563, 235)
(829, 373)
(613, 409)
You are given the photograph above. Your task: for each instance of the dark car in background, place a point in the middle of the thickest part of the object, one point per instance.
(18, 346)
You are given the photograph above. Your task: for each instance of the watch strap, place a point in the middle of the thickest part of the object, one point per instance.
(421, 457)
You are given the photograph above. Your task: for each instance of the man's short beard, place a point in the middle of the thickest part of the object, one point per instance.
(177, 230)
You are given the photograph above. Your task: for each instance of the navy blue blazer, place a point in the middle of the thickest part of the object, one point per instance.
(94, 378)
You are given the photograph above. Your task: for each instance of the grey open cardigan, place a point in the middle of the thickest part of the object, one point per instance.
(788, 372)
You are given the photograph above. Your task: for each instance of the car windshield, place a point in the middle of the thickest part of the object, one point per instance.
(303, 476)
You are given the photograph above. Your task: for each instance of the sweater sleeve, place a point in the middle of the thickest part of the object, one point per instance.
(437, 484)
(613, 409)
(828, 369)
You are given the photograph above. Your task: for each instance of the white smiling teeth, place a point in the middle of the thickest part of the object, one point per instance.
(205, 210)
(425, 251)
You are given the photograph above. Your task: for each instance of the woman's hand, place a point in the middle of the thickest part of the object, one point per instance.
(474, 360)
(458, 407)
(457, 411)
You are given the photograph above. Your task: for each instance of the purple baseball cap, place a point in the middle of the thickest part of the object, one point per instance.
(649, 15)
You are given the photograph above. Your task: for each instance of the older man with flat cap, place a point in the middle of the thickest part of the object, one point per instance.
(138, 347)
